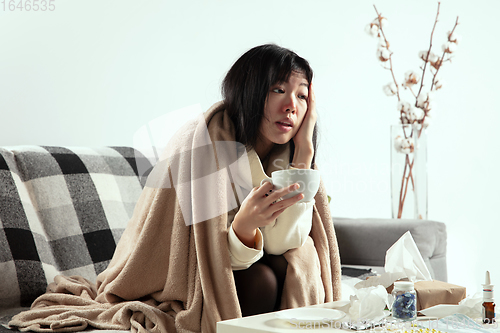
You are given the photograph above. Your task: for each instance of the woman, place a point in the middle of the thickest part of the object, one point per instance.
(271, 105)
(172, 269)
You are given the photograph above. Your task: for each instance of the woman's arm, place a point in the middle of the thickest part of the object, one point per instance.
(240, 255)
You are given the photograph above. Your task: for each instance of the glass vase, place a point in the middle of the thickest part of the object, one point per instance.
(409, 172)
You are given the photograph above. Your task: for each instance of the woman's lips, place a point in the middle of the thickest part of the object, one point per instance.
(283, 126)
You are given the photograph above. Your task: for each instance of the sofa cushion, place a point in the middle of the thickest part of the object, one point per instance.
(62, 211)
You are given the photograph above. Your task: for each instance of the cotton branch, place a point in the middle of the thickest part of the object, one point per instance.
(444, 53)
(427, 57)
(379, 17)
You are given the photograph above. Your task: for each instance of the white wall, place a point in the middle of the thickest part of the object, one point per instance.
(92, 72)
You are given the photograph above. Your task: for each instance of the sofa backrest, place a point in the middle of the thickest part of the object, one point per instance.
(62, 211)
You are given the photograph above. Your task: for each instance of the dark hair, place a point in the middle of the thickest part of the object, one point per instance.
(247, 84)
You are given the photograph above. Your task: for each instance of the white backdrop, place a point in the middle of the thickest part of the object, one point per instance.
(91, 72)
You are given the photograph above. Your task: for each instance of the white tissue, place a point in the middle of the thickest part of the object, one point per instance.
(402, 260)
(470, 306)
(369, 304)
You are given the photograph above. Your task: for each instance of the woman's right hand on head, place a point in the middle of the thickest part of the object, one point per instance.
(260, 208)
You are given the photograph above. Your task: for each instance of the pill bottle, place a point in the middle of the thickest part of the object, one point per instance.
(404, 306)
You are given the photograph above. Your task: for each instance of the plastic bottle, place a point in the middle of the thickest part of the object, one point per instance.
(488, 302)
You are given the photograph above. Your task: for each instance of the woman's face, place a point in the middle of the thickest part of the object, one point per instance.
(285, 107)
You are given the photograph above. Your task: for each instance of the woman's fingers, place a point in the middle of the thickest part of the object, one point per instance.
(278, 207)
(311, 103)
(311, 117)
(264, 204)
(303, 137)
(277, 194)
(264, 189)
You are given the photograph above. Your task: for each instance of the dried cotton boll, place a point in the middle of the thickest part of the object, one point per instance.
(383, 54)
(417, 114)
(398, 143)
(402, 145)
(411, 78)
(382, 43)
(436, 64)
(423, 55)
(407, 118)
(404, 118)
(438, 83)
(432, 57)
(411, 116)
(384, 23)
(404, 106)
(372, 29)
(390, 89)
(423, 99)
(417, 126)
(407, 146)
(449, 47)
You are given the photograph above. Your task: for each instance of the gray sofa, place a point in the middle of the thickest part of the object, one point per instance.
(365, 241)
(62, 211)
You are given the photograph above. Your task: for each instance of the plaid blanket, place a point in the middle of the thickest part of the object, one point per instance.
(62, 211)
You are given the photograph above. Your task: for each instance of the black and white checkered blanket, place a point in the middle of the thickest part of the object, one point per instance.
(62, 211)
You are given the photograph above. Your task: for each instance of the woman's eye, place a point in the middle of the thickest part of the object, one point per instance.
(278, 90)
(304, 97)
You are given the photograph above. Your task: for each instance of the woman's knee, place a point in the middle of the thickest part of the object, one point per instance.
(259, 277)
(279, 265)
(257, 289)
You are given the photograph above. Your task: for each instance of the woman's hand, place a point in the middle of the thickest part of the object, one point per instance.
(304, 148)
(260, 208)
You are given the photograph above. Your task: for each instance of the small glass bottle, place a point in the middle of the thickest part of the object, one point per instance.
(404, 306)
(488, 301)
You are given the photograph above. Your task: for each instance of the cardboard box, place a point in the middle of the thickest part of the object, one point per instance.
(430, 293)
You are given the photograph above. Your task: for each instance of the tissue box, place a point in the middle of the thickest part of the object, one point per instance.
(430, 293)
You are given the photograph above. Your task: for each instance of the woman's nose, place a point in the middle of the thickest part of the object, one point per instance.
(291, 105)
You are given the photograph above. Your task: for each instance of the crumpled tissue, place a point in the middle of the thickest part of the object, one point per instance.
(470, 306)
(369, 304)
(402, 260)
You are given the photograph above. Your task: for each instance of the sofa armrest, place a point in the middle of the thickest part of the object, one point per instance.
(365, 241)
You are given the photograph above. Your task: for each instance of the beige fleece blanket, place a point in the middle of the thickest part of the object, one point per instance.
(173, 275)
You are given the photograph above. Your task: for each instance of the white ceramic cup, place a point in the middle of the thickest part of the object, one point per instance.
(307, 179)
